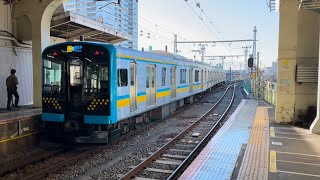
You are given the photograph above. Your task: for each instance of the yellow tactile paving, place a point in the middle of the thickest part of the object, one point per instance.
(255, 162)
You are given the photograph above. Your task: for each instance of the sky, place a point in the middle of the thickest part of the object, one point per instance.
(230, 20)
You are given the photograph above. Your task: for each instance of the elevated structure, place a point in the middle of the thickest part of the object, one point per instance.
(120, 15)
(71, 26)
(310, 4)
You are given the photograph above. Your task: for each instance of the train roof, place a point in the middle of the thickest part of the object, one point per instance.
(163, 55)
(155, 54)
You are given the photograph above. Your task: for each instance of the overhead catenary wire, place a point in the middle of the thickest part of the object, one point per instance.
(210, 29)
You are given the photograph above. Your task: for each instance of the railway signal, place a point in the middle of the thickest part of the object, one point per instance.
(250, 62)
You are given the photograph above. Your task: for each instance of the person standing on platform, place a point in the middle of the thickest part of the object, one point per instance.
(12, 82)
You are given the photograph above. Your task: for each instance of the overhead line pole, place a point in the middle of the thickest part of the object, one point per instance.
(175, 45)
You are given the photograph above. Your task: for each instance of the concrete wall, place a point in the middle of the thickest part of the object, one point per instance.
(307, 54)
(298, 45)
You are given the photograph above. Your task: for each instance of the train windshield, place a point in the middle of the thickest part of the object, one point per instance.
(97, 78)
(52, 80)
(76, 74)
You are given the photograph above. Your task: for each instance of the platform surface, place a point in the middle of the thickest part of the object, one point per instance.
(295, 152)
(251, 146)
(219, 157)
(18, 113)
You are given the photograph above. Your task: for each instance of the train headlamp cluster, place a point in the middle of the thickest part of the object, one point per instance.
(97, 104)
(52, 103)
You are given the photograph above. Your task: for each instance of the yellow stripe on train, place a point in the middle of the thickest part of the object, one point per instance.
(196, 86)
(181, 90)
(123, 102)
(141, 99)
(163, 94)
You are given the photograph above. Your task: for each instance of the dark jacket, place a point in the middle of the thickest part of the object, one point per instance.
(12, 82)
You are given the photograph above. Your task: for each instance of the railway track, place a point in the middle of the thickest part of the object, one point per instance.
(170, 160)
(67, 157)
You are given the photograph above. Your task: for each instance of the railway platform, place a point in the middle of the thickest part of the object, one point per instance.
(18, 129)
(251, 146)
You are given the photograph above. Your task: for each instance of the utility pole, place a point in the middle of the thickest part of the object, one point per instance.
(254, 46)
(254, 56)
(203, 51)
(175, 44)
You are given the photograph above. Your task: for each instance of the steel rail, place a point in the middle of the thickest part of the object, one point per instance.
(12, 166)
(160, 151)
(44, 172)
(201, 145)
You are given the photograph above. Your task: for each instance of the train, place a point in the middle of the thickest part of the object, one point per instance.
(99, 91)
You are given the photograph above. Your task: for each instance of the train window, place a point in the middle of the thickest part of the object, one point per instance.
(163, 77)
(206, 76)
(75, 72)
(52, 79)
(196, 76)
(183, 76)
(122, 77)
(153, 74)
(131, 75)
(96, 78)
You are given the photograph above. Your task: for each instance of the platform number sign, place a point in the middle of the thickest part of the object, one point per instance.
(250, 62)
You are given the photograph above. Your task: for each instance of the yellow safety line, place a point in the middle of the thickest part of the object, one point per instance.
(273, 161)
(272, 132)
(18, 137)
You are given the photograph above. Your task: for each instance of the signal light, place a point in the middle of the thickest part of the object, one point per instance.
(250, 62)
(54, 54)
(97, 53)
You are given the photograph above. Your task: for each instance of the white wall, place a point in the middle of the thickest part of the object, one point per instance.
(23, 64)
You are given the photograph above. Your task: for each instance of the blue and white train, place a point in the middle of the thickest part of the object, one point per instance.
(99, 91)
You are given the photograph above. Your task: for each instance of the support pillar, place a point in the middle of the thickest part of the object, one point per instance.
(40, 14)
(287, 62)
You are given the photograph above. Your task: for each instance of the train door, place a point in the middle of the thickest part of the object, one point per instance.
(173, 82)
(153, 79)
(190, 80)
(133, 86)
(202, 79)
(75, 86)
(151, 84)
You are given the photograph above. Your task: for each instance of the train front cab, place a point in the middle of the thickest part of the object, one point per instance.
(76, 90)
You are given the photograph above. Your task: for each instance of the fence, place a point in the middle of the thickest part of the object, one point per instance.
(269, 92)
(247, 85)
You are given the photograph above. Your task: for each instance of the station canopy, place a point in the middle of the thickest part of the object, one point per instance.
(310, 4)
(71, 26)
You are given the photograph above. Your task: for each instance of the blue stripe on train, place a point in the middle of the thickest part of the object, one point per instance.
(52, 117)
(96, 119)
